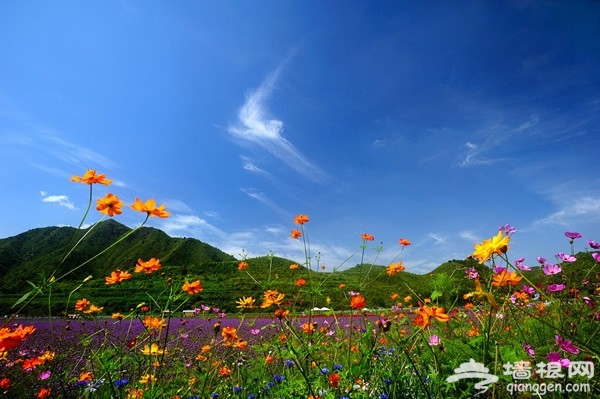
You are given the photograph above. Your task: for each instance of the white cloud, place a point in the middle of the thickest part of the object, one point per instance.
(61, 200)
(255, 127)
(469, 236)
(586, 209)
(262, 197)
(178, 225)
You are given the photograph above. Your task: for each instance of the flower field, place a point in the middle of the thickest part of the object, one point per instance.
(521, 331)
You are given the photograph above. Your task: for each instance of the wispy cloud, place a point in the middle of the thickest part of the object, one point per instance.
(192, 225)
(586, 209)
(61, 200)
(469, 236)
(256, 128)
(262, 197)
(251, 167)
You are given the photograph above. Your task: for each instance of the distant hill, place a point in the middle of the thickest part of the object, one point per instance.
(36, 253)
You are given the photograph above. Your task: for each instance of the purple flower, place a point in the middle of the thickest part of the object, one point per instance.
(434, 340)
(590, 302)
(528, 349)
(541, 261)
(572, 235)
(566, 258)
(499, 269)
(596, 256)
(566, 345)
(528, 290)
(471, 273)
(521, 266)
(594, 244)
(555, 287)
(45, 375)
(507, 229)
(554, 357)
(550, 270)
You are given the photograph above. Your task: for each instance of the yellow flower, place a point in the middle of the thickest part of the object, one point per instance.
(109, 205)
(154, 323)
(245, 302)
(496, 245)
(90, 177)
(93, 309)
(294, 266)
(147, 379)
(150, 208)
(153, 350)
(272, 297)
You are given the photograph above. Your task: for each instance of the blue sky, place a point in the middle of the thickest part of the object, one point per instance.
(433, 121)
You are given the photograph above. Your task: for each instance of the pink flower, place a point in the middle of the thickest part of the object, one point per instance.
(434, 340)
(589, 301)
(521, 266)
(554, 357)
(555, 287)
(528, 290)
(550, 270)
(572, 235)
(45, 375)
(507, 229)
(541, 261)
(471, 273)
(565, 258)
(566, 345)
(594, 244)
(499, 269)
(596, 256)
(528, 349)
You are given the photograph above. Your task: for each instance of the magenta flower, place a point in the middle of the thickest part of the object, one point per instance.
(541, 261)
(550, 270)
(521, 266)
(555, 287)
(566, 345)
(593, 244)
(572, 235)
(471, 273)
(554, 357)
(596, 256)
(499, 269)
(434, 340)
(507, 229)
(566, 258)
(528, 290)
(45, 375)
(528, 349)
(590, 302)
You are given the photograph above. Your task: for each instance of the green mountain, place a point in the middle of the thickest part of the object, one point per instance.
(37, 254)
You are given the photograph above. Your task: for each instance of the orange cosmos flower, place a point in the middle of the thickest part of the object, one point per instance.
(404, 242)
(117, 316)
(81, 304)
(295, 234)
(229, 334)
(117, 276)
(394, 296)
(281, 313)
(309, 328)
(224, 371)
(426, 313)
(86, 376)
(90, 177)
(394, 268)
(272, 297)
(358, 302)
(334, 380)
(269, 359)
(367, 237)
(241, 344)
(245, 303)
(148, 267)
(44, 392)
(300, 282)
(10, 339)
(193, 287)
(506, 277)
(150, 208)
(93, 309)
(301, 219)
(342, 286)
(109, 205)
(4, 384)
(242, 265)
(154, 323)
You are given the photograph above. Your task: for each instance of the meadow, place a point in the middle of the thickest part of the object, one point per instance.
(518, 331)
